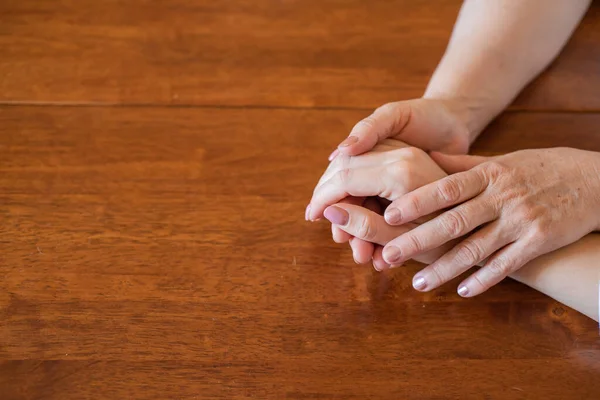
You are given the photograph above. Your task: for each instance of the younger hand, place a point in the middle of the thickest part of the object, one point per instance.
(426, 123)
(387, 172)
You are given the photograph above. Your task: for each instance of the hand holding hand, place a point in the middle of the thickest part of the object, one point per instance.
(426, 123)
(389, 171)
(516, 207)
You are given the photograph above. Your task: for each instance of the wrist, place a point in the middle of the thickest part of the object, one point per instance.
(475, 113)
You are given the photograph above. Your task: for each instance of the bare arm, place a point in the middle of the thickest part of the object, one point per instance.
(496, 48)
(570, 275)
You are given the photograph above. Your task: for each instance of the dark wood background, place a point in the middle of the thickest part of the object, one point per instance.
(155, 161)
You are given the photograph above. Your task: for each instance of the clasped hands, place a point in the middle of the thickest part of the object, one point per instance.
(393, 201)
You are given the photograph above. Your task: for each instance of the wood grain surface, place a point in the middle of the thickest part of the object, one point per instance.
(309, 53)
(155, 162)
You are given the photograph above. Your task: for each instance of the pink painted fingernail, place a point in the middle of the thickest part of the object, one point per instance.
(463, 291)
(419, 283)
(393, 215)
(392, 255)
(336, 215)
(307, 213)
(333, 155)
(350, 140)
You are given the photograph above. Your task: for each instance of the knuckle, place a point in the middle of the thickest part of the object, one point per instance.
(499, 266)
(439, 274)
(367, 229)
(414, 244)
(469, 253)
(398, 170)
(538, 232)
(449, 190)
(495, 169)
(366, 123)
(454, 223)
(412, 153)
(526, 215)
(414, 205)
(344, 176)
(400, 179)
(479, 282)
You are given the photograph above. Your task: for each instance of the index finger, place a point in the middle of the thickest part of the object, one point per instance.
(436, 196)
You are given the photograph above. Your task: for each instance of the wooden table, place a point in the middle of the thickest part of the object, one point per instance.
(155, 161)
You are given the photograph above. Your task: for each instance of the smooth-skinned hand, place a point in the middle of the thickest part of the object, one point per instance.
(430, 124)
(389, 171)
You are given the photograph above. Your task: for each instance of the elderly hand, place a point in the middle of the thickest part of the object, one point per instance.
(353, 219)
(517, 207)
(389, 171)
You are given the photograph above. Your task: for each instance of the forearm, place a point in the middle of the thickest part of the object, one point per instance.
(570, 275)
(496, 48)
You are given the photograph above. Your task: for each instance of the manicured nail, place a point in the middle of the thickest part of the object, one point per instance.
(392, 255)
(333, 155)
(307, 213)
(350, 140)
(336, 215)
(392, 216)
(419, 283)
(463, 291)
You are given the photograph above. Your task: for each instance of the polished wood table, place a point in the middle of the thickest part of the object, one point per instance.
(155, 161)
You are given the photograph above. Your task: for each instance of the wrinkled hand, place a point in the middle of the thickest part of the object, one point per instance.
(354, 220)
(516, 207)
(388, 172)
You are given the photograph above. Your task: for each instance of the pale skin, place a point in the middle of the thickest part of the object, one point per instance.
(570, 274)
(500, 213)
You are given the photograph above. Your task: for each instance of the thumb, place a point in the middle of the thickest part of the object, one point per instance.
(386, 121)
(456, 163)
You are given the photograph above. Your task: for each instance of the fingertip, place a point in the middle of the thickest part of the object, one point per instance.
(463, 291)
(339, 236)
(336, 215)
(393, 216)
(352, 146)
(307, 213)
(378, 262)
(392, 255)
(376, 266)
(348, 142)
(333, 155)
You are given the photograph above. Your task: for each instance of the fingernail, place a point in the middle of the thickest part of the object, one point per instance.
(333, 155)
(350, 140)
(463, 291)
(336, 215)
(419, 283)
(392, 215)
(307, 213)
(392, 255)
